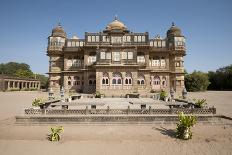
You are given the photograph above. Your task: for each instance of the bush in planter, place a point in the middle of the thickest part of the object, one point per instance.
(184, 126)
(200, 103)
(163, 95)
(55, 135)
(97, 94)
(37, 102)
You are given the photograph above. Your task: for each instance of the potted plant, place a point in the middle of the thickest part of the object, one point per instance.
(38, 102)
(184, 126)
(200, 103)
(164, 95)
(55, 135)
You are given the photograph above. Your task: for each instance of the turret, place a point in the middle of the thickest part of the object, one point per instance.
(57, 39)
(176, 41)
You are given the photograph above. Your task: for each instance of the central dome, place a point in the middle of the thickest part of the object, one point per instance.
(116, 25)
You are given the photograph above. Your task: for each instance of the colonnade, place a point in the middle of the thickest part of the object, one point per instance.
(21, 84)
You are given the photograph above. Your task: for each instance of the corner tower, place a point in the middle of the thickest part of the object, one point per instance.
(177, 50)
(56, 43)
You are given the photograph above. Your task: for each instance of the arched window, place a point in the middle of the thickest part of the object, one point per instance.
(77, 80)
(128, 79)
(117, 78)
(92, 79)
(69, 81)
(105, 79)
(164, 82)
(141, 79)
(156, 80)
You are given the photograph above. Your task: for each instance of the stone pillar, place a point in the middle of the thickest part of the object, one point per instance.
(8, 85)
(17, 84)
(39, 85)
(98, 80)
(13, 84)
(135, 79)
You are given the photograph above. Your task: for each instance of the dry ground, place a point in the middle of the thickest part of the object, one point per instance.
(111, 138)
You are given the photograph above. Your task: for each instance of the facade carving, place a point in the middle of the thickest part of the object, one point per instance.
(116, 61)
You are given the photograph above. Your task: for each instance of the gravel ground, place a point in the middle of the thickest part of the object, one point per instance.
(134, 139)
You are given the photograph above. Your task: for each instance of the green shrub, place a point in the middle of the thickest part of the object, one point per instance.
(37, 102)
(184, 126)
(55, 135)
(163, 95)
(200, 103)
(197, 81)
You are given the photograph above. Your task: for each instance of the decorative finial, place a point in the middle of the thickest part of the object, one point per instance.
(116, 17)
(173, 24)
(59, 24)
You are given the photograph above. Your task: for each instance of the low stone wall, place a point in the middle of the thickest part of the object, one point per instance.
(111, 119)
(118, 111)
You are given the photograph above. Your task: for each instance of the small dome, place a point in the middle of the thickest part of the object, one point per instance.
(58, 31)
(116, 25)
(174, 31)
(74, 37)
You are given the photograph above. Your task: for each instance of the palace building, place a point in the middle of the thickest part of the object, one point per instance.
(116, 61)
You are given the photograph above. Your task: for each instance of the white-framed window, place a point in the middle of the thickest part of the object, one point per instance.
(139, 38)
(117, 79)
(155, 62)
(159, 43)
(135, 38)
(69, 63)
(130, 55)
(89, 39)
(92, 59)
(155, 43)
(105, 79)
(73, 43)
(141, 80)
(163, 43)
(116, 39)
(143, 39)
(97, 38)
(108, 55)
(141, 59)
(103, 55)
(162, 62)
(116, 56)
(156, 81)
(69, 44)
(124, 55)
(151, 43)
(128, 79)
(105, 39)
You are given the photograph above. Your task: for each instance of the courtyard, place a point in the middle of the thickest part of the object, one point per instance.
(112, 138)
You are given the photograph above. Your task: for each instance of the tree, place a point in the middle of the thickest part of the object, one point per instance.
(24, 73)
(221, 79)
(43, 79)
(11, 68)
(196, 81)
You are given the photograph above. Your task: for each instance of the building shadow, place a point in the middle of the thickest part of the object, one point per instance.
(168, 132)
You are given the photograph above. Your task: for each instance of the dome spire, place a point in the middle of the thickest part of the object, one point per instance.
(116, 17)
(173, 24)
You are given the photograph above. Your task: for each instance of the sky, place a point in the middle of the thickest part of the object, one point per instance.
(206, 24)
